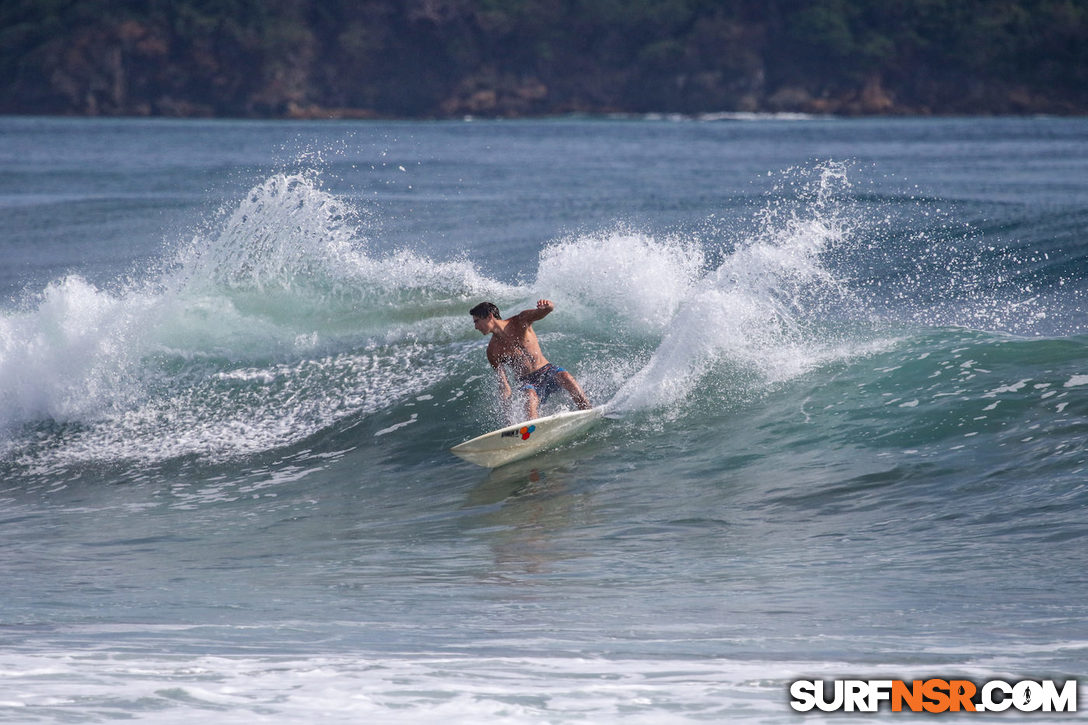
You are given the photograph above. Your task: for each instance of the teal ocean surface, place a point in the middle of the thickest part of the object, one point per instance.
(845, 364)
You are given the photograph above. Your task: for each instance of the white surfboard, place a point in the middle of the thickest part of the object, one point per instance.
(522, 440)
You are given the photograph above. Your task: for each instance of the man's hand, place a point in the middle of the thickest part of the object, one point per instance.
(543, 308)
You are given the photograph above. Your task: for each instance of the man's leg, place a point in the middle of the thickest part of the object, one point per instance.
(568, 383)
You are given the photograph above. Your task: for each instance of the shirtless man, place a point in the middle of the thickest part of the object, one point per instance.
(514, 343)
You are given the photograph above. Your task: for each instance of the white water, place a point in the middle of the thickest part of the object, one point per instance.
(283, 322)
(760, 310)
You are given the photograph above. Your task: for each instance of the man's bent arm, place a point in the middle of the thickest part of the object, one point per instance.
(543, 309)
(504, 385)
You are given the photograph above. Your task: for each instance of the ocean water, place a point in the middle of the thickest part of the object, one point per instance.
(845, 364)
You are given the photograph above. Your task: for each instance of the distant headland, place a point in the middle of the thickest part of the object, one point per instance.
(519, 58)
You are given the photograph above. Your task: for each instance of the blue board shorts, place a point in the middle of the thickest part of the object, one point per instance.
(542, 380)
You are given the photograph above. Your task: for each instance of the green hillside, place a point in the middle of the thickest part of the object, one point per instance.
(438, 58)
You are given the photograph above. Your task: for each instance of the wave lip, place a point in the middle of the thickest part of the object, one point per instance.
(255, 335)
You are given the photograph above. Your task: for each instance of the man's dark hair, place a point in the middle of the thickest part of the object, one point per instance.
(485, 309)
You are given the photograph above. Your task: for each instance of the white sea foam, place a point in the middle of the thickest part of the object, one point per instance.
(759, 309)
(70, 358)
(430, 688)
(630, 282)
(257, 334)
(397, 426)
(423, 689)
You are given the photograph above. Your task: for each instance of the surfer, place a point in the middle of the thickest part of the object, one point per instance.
(514, 343)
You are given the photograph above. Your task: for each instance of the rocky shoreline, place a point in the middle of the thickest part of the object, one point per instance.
(532, 100)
